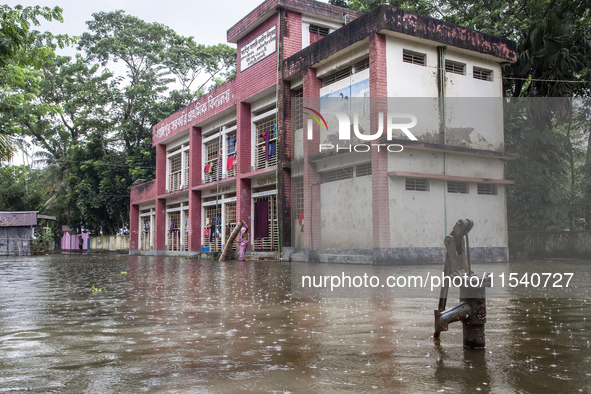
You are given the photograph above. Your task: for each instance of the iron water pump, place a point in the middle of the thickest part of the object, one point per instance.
(471, 310)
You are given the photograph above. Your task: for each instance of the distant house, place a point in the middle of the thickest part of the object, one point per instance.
(17, 229)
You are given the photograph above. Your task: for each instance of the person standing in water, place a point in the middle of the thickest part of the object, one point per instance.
(242, 242)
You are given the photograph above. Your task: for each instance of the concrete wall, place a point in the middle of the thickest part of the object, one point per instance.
(346, 207)
(550, 244)
(418, 218)
(109, 243)
(410, 80)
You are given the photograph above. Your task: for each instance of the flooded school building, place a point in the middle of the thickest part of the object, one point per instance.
(258, 148)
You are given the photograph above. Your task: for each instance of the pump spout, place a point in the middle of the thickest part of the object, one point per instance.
(444, 318)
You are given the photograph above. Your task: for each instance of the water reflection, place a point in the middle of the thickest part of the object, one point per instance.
(168, 324)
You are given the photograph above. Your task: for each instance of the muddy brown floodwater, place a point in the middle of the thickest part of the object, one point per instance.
(176, 325)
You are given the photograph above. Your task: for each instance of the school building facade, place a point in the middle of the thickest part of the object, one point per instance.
(249, 149)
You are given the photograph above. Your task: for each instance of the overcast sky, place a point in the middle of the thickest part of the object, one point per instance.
(207, 21)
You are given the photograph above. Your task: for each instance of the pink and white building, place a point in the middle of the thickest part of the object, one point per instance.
(240, 152)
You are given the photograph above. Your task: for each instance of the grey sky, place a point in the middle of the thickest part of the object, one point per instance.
(207, 21)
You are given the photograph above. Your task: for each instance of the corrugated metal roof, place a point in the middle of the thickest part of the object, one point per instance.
(17, 219)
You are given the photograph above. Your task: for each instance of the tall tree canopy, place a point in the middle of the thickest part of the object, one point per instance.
(92, 126)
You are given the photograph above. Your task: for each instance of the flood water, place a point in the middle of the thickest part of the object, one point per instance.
(176, 325)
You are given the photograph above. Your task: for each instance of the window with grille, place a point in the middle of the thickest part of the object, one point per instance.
(186, 174)
(346, 72)
(361, 65)
(146, 229)
(455, 67)
(175, 178)
(413, 57)
(231, 154)
(271, 242)
(338, 174)
(297, 185)
(230, 222)
(212, 169)
(457, 187)
(212, 227)
(173, 233)
(417, 184)
(482, 73)
(487, 188)
(317, 32)
(363, 169)
(298, 114)
(266, 143)
(185, 230)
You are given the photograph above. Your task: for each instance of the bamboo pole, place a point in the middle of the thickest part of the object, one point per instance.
(231, 240)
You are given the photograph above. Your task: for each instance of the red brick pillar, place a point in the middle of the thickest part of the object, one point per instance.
(160, 224)
(195, 177)
(243, 163)
(312, 213)
(284, 152)
(195, 160)
(160, 169)
(134, 221)
(195, 221)
(379, 160)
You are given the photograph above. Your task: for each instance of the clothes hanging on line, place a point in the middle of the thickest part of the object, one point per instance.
(230, 163)
(206, 169)
(267, 138)
(272, 149)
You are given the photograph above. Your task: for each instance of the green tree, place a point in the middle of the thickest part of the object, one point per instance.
(22, 51)
(21, 189)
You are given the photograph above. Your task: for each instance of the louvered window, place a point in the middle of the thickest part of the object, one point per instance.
(487, 188)
(338, 174)
(317, 32)
(363, 170)
(346, 72)
(457, 187)
(455, 67)
(417, 184)
(413, 57)
(482, 73)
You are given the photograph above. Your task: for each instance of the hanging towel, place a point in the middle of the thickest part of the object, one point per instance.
(210, 169)
(230, 162)
(261, 219)
(206, 169)
(301, 218)
(272, 149)
(267, 136)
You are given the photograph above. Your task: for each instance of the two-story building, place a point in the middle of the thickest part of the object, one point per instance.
(254, 148)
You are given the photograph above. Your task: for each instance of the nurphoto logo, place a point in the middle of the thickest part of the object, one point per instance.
(394, 122)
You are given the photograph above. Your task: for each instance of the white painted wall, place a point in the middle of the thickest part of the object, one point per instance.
(417, 219)
(410, 80)
(346, 207)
